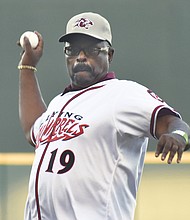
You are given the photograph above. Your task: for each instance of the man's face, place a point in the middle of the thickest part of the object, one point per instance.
(86, 62)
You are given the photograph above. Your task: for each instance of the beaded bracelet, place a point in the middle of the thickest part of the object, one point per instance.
(21, 67)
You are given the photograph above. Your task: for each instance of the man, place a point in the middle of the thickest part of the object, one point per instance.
(91, 141)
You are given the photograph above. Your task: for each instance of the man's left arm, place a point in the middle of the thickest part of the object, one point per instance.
(173, 137)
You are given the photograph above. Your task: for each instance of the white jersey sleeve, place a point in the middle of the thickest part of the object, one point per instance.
(137, 108)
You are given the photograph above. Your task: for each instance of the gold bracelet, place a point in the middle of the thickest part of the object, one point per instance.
(21, 67)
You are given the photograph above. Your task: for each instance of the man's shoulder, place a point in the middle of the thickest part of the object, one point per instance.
(125, 84)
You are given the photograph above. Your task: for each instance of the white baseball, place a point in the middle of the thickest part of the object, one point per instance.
(33, 38)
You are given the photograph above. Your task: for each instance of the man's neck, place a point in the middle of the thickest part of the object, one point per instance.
(108, 76)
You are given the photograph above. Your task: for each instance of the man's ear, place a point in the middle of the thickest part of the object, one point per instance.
(110, 54)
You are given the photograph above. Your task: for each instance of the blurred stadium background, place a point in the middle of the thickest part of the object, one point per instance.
(151, 41)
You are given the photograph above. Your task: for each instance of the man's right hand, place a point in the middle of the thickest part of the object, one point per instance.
(29, 55)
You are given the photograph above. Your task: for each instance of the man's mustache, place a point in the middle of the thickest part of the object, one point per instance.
(81, 68)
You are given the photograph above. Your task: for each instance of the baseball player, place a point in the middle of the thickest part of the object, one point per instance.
(90, 142)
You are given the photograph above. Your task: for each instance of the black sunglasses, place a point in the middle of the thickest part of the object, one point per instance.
(89, 51)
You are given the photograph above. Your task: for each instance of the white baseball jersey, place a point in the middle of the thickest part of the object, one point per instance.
(90, 148)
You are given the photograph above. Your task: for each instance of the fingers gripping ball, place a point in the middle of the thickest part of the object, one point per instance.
(33, 39)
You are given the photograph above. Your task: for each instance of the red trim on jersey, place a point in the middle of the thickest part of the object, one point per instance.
(33, 138)
(37, 181)
(153, 120)
(43, 155)
(166, 111)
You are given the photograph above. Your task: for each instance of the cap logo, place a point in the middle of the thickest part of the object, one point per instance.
(83, 23)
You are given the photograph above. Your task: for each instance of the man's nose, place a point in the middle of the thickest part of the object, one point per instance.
(81, 56)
